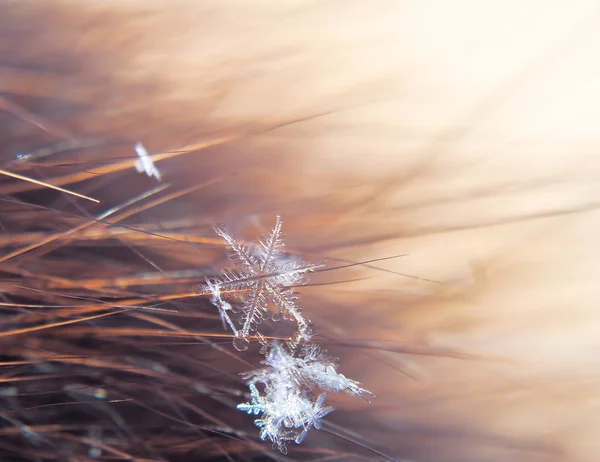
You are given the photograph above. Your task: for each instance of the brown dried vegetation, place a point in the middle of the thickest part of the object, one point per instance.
(458, 138)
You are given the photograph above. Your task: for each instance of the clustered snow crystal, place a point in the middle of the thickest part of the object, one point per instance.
(298, 373)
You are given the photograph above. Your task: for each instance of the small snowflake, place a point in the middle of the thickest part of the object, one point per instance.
(145, 163)
(313, 418)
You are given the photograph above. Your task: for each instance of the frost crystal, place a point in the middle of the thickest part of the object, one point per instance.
(290, 406)
(144, 163)
(298, 373)
(267, 274)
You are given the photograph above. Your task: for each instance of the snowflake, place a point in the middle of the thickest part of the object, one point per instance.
(145, 163)
(313, 418)
(297, 374)
(268, 275)
(288, 408)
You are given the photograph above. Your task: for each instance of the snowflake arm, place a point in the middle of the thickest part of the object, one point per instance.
(272, 249)
(223, 306)
(242, 254)
(254, 309)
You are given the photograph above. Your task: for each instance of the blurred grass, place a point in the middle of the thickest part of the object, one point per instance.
(471, 340)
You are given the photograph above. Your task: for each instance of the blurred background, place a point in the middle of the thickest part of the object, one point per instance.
(459, 138)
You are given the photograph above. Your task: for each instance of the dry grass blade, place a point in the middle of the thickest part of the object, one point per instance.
(46, 185)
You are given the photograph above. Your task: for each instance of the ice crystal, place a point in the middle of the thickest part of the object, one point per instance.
(145, 163)
(306, 367)
(267, 274)
(290, 405)
(298, 374)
